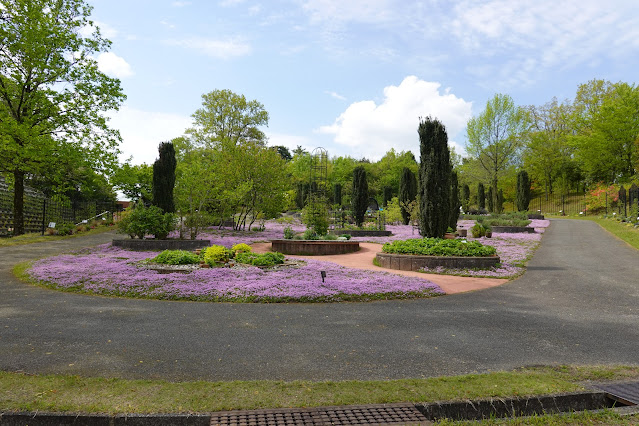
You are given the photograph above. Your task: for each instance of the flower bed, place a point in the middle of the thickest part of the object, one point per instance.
(108, 270)
(408, 262)
(512, 229)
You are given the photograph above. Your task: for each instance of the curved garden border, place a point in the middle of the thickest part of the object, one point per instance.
(513, 229)
(159, 245)
(314, 247)
(361, 233)
(409, 262)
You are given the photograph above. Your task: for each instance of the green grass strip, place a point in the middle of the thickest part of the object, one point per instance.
(63, 393)
(37, 238)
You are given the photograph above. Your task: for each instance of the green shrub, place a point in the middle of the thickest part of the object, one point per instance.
(216, 254)
(505, 222)
(478, 230)
(310, 234)
(257, 259)
(141, 221)
(241, 248)
(289, 233)
(65, 229)
(439, 247)
(176, 257)
(347, 236)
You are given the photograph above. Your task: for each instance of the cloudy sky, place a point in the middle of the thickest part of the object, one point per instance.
(354, 76)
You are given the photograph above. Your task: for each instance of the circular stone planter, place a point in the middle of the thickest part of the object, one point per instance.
(314, 247)
(513, 229)
(409, 262)
(360, 233)
(159, 245)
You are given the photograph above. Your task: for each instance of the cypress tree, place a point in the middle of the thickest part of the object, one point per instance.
(481, 196)
(360, 194)
(622, 199)
(465, 199)
(388, 195)
(407, 192)
(164, 178)
(455, 203)
(337, 194)
(499, 207)
(491, 200)
(522, 199)
(633, 196)
(434, 176)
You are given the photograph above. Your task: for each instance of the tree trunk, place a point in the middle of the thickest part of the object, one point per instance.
(18, 203)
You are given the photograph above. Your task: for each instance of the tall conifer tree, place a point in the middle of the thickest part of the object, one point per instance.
(164, 178)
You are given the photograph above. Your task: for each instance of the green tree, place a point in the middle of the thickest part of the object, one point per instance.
(164, 178)
(548, 154)
(407, 192)
(481, 196)
(455, 203)
(492, 200)
(434, 177)
(52, 95)
(465, 197)
(606, 140)
(360, 194)
(134, 181)
(337, 194)
(522, 199)
(284, 152)
(496, 136)
(228, 118)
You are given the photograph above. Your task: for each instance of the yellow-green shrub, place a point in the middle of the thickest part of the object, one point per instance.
(216, 254)
(241, 248)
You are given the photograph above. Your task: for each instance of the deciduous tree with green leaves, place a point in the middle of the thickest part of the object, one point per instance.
(52, 94)
(496, 136)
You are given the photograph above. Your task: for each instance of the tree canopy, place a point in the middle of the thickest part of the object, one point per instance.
(52, 94)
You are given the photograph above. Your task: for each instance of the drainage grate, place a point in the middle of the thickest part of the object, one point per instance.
(348, 415)
(626, 393)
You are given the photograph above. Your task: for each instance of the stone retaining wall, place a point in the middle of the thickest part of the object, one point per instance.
(360, 233)
(408, 262)
(159, 245)
(513, 229)
(314, 247)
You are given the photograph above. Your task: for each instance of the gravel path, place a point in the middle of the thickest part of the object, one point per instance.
(578, 303)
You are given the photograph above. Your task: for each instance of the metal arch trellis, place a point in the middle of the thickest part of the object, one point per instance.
(318, 182)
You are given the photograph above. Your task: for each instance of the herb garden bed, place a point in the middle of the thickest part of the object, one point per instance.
(361, 233)
(314, 247)
(513, 229)
(159, 245)
(409, 262)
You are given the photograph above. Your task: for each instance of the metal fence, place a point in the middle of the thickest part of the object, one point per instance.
(41, 212)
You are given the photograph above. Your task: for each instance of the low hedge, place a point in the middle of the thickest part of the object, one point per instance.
(176, 257)
(264, 259)
(439, 247)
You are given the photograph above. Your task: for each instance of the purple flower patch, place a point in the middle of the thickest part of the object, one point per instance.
(111, 271)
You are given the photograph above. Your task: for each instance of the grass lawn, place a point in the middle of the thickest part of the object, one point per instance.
(38, 238)
(99, 395)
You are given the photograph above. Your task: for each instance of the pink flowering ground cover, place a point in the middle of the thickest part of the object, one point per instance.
(107, 270)
(513, 249)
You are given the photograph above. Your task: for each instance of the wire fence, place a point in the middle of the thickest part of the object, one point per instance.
(41, 212)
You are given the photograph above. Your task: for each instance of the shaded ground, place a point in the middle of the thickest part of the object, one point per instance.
(578, 303)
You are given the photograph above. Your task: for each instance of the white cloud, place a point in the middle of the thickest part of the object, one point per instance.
(229, 3)
(105, 29)
(223, 49)
(142, 131)
(372, 129)
(167, 24)
(113, 65)
(335, 95)
(352, 10)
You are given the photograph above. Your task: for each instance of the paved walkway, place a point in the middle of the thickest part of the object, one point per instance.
(363, 259)
(578, 304)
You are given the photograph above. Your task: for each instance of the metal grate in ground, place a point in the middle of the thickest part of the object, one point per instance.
(626, 393)
(347, 415)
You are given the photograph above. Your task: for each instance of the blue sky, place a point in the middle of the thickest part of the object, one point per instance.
(354, 76)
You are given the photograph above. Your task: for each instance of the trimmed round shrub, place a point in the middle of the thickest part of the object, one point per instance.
(241, 248)
(215, 255)
(263, 259)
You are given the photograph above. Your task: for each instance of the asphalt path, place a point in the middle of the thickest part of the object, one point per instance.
(578, 303)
